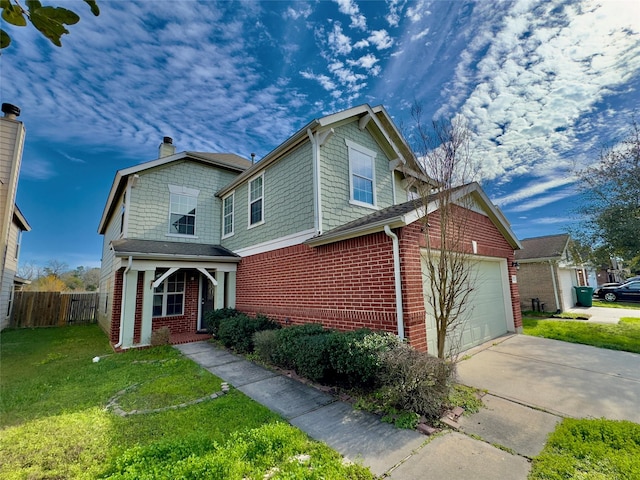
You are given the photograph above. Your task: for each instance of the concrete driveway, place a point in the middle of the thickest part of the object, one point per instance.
(563, 378)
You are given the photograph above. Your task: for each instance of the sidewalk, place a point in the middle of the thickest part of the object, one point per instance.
(604, 314)
(360, 436)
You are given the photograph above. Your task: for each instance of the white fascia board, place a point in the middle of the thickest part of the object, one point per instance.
(168, 256)
(140, 265)
(356, 232)
(275, 244)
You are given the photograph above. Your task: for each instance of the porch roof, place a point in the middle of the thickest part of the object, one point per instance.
(154, 249)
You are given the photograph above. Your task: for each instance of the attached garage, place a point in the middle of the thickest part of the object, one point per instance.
(490, 312)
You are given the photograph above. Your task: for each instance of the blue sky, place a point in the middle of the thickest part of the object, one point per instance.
(542, 84)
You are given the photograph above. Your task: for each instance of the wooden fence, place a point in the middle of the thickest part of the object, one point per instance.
(50, 309)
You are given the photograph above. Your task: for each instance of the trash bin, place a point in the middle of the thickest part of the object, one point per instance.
(585, 296)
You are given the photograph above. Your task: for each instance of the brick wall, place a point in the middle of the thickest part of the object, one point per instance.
(350, 284)
(188, 322)
(344, 285)
(535, 281)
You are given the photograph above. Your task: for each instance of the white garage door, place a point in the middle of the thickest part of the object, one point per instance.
(490, 310)
(567, 280)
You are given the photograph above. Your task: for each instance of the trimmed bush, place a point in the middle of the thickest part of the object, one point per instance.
(214, 317)
(355, 356)
(237, 332)
(265, 343)
(287, 348)
(415, 381)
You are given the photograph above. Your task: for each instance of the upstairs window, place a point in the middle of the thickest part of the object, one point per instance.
(168, 297)
(182, 211)
(227, 215)
(256, 201)
(362, 180)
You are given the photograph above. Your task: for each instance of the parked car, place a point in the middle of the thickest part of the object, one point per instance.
(596, 292)
(633, 279)
(629, 291)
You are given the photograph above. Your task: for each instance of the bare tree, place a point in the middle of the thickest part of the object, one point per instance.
(449, 268)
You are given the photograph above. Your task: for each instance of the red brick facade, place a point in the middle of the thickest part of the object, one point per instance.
(350, 284)
(178, 324)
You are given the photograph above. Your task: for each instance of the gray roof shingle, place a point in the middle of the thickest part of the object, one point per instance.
(549, 246)
(178, 249)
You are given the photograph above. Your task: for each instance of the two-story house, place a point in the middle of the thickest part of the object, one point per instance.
(12, 221)
(322, 229)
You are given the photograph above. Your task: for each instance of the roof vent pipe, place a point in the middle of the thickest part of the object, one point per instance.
(253, 158)
(11, 112)
(167, 148)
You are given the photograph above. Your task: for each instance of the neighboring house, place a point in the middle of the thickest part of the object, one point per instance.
(12, 221)
(549, 271)
(611, 273)
(322, 229)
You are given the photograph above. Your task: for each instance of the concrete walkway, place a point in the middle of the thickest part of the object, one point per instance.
(362, 437)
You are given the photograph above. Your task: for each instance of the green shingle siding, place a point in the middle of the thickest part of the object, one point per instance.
(336, 209)
(149, 205)
(288, 201)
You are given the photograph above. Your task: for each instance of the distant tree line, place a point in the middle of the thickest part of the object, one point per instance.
(56, 276)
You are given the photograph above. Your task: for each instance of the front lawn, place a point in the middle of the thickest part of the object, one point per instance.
(590, 449)
(54, 422)
(602, 303)
(623, 336)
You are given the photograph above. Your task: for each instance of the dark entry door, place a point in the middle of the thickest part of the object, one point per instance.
(206, 302)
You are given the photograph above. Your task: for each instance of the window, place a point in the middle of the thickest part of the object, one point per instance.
(227, 215)
(182, 210)
(168, 297)
(361, 174)
(256, 197)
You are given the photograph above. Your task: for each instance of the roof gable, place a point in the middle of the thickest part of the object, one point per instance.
(549, 247)
(228, 161)
(376, 120)
(406, 213)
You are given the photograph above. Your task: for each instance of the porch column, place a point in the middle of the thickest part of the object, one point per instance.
(147, 307)
(219, 300)
(231, 292)
(129, 319)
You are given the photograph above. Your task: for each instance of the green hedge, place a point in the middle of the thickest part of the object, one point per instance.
(214, 317)
(237, 332)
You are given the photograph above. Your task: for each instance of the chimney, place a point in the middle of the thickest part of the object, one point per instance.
(11, 112)
(167, 147)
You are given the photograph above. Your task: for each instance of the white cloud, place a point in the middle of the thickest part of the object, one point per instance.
(547, 199)
(395, 8)
(303, 11)
(420, 34)
(545, 68)
(553, 220)
(338, 41)
(366, 61)
(361, 44)
(323, 80)
(349, 7)
(534, 189)
(417, 11)
(36, 169)
(381, 39)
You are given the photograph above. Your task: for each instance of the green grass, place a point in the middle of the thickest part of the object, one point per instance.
(53, 422)
(624, 336)
(590, 449)
(602, 303)
(630, 320)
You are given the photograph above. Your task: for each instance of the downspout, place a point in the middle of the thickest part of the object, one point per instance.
(124, 289)
(398, 282)
(555, 286)
(317, 204)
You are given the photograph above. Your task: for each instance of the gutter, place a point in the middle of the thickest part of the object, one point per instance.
(398, 282)
(555, 287)
(124, 289)
(315, 148)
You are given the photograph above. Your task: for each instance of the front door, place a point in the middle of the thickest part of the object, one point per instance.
(206, 300)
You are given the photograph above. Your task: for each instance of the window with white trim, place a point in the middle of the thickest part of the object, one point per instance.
(256, 201)
(168, 297)
(362, 178)
(183, 204)
(228, 215)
